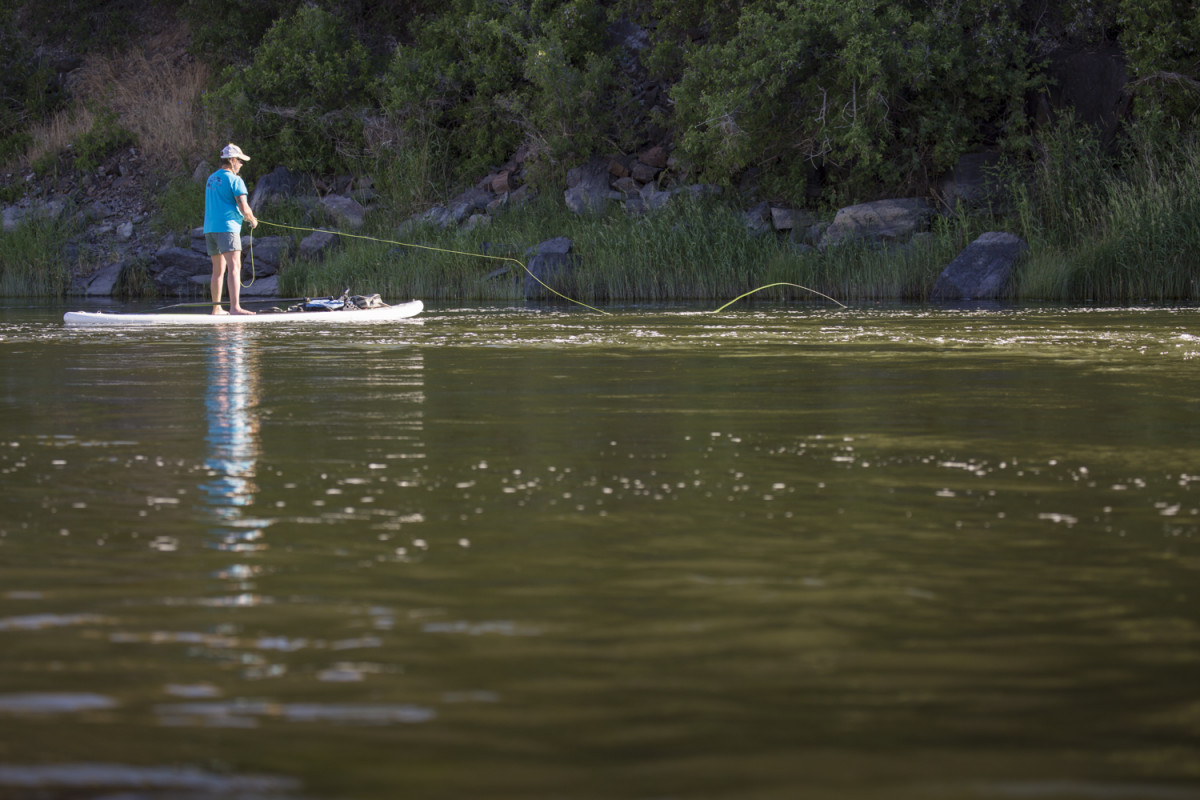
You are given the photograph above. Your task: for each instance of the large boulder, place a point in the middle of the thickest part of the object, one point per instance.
(588, 190)
(173, 267)
(259, 287)
(104, 282)
(880, 221)
(547, 261)
(982, 271)
(466, 205)
(786, 220)
(758, 218)
(15, 216)
(314, 246)
(267, 252)
(345, 210)
(278, 184)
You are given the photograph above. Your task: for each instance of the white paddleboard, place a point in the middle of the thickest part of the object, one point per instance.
(384, 314)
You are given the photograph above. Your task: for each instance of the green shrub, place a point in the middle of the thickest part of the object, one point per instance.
(28, 89)
(180, 207)
(88, 25)
(225, 32)
(105, 137)
(883, 95)
(300, 101)
(1159, 39)
(492, 76)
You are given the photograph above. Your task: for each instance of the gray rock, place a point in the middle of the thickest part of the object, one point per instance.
(470, 202)
(278, 184)
(314, 246)
(262, 287)
(588, 189)
(758, 218)
(268, 252)
(259, 287)
(172, 268)
(344, 210)
(98, 210)
(201, 172)
(125, 231)
(644, 173)
(627, 186)
(474, 221)
(15, 216)
(547, 262)
(104, 282)
(982, 271)
(559, 245)
(880, 221)
(789, 219)
(652, 198)
(521, 196)
(699, 190)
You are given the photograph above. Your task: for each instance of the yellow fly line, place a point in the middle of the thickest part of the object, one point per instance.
(768, 286)
(500, 258)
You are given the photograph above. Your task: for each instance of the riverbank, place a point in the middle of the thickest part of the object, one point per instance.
(1095, 234)
(105, 200)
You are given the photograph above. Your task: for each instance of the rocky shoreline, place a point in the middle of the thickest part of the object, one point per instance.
(114, 218)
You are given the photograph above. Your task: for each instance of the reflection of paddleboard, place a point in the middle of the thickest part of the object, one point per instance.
(383, 314)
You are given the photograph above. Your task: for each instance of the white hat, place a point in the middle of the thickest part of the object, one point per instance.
(233, 151)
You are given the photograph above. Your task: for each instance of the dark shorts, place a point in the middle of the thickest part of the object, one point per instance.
(218, 243)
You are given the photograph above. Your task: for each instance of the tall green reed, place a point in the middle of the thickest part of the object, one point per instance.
(695, 249)
(1102, 225)
(1112, 224)
(35, 259)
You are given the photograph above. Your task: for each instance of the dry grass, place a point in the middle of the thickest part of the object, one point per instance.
(56, 133)
(154, 88)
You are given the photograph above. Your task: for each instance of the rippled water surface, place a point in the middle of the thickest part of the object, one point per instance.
(498, 552)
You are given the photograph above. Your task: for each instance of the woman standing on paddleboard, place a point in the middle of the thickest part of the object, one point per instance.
(225, 208)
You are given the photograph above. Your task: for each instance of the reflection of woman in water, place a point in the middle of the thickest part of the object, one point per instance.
(225, 207)
(232, 424)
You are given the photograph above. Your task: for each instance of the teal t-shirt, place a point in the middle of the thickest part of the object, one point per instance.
(221, 214)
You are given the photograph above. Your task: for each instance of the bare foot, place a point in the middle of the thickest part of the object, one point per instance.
(218, 310)
(240, 310)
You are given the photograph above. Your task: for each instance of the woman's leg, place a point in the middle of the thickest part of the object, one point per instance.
(234, 276)
(218, 280)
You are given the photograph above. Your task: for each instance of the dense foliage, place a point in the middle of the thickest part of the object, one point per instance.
(28, 89)
(881, 92)
(300, 98)
(873, 96)
(495, 76)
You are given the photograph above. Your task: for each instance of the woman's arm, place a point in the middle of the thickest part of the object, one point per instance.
(244, 207)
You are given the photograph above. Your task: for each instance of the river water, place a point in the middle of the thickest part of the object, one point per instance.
(497, 552)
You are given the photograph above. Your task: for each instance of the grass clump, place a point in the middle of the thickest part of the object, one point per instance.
(180, 207)
(35, 258)
(151, 101)
(696, 249)
(1111, 226)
